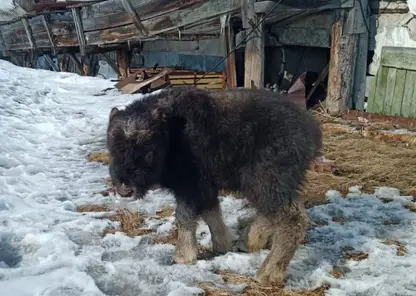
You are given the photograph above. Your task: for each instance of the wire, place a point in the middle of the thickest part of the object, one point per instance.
(235, 47)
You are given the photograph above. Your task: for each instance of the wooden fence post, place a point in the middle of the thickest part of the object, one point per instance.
(254, 49)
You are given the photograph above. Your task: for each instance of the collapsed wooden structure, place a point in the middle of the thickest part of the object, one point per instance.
(82, 28)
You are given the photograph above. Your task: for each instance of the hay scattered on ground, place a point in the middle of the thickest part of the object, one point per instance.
(349, 253)
(93, 208)
(254, 289)
(130, 222)
(102, 157)
(170, 238)
(338, 271)
(361, 161)
(411, 206)
(165, 212)
(401, 249)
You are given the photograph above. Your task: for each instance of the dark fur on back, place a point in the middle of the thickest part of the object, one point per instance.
(196, 142)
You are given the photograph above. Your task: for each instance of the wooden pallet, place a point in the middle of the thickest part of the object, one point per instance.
(211, 80)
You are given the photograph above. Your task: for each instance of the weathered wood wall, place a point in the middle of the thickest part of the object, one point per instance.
(394, 91)
(110, 23)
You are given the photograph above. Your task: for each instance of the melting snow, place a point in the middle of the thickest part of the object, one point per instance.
(49, 122)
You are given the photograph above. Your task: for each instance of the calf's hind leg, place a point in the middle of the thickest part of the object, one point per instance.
(289, 227)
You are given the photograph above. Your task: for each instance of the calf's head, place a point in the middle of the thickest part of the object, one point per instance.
(137, 145)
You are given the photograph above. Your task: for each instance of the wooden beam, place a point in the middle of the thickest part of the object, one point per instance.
(290, 5)
(341, 68)
(169, 23)
(48, 31)
(51, 63)
(135, 17)
(77, 63)
(122, 63)
(29, 33)
(76, 15)
(254, 50)
(229, 45)
(362, 27)
(318, 81)
(112, 64)
(3, 45)
(85, 64)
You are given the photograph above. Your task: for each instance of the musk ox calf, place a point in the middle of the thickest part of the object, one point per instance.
(196, 142)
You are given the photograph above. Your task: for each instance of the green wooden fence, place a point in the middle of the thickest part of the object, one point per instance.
(394, 90)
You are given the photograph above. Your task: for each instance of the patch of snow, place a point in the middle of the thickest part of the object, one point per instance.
(412, 6)
(6, 5)
(49, 123)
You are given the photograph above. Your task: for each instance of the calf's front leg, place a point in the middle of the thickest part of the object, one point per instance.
(187, 246)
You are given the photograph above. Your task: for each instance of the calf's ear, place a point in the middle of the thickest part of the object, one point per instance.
(113, 112)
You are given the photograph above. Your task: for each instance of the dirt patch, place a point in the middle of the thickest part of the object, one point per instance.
(401, 249)
(103, 157)
(254, 289)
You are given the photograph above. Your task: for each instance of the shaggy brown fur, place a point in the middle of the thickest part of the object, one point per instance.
(196, 142)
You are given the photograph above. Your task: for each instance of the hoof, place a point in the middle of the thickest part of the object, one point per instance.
(189, 257)
(277, 279)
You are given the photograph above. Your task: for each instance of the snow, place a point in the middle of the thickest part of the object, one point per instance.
(49, 122)
(412, 6)
(6, 4)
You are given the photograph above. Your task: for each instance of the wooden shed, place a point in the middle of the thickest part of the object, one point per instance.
(329, 37)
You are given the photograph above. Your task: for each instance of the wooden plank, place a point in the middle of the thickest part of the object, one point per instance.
(134, 87)
(165, 23)
(398, 57)
(254, 51)
(229, 44)
(77, 63)
(48, 30)
(110, 14)
(79, 29)
(265, 6)
(360, 72)
(210, 86)
(341, 68)
(51, 63)
(112, 64)
(192, 81)
(409, 95)
(122, 63)
(135, 17)
(380, 91)
(29, 34)
(176, 76)
(3, 45)
(389, 96)
(398, 92)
